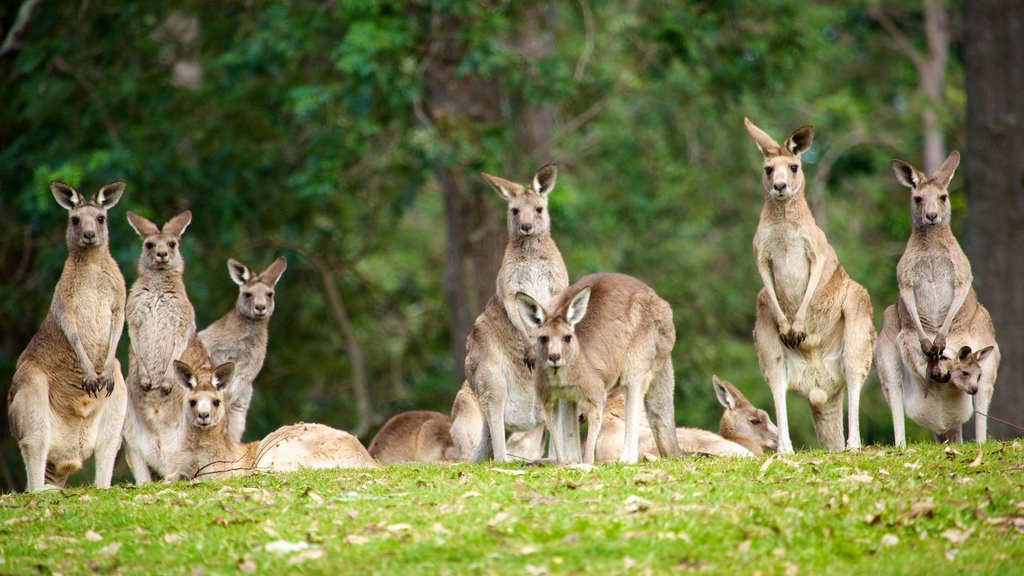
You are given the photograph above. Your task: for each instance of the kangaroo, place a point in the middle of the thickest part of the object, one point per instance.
(467, 421)
(812, 330)
(604, 331)
(161, 323)
(415, 436)
(500, 352)
(55, 409)
(744, 429)
(241, 335)
(205, 450)
(937, 308)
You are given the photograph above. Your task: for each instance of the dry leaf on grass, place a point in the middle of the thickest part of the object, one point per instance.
(923, 508)
(284, 547)
(509, 472)
(311, 554)
(498, 519)
(93, 536)
(398, 527)
(957, 537)
(977, 461)
(470, 494)
(247, 566)
(890, 540)
(356, 539)
(861, 477)
(635, 503)
(649, 477)
(110, 549)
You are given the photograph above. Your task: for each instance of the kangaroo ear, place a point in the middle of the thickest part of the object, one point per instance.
(578, 307)
(765, 143)
(176, 226)
(544, 180)
(184, 373)
(222, 375)
(273, 273)
(507, 190)
(727, 394)
(800, 140)
(110, 194)
(529, 310)
(944, 175)
(239, 272)
(980, 354)
(907, 174)
(142, 226)
(965, 351)
(65, 195)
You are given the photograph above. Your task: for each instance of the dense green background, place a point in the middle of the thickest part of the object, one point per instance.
(303, 138)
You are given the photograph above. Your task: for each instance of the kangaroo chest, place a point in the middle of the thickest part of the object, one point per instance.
(537, 278)
(933, 284)
(92, 309)
(786, 249)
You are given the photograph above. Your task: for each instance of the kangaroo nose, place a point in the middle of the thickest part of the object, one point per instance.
(161, 255)
(932, 216)
(527, 228)
(204, 415)
(260, 308)
(779, 186)
(554, 357)
(89, 235)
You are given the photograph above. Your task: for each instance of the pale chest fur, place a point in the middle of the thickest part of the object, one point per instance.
(786, 247)
(933, 275)
(95, 293)
(161, 320)
(234, 339)
(537, 270)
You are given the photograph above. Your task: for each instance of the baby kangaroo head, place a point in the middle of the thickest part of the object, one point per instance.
(161, 247)
(557, 345)
(204, 401)
(929, 198)
(743, 422)
(965, 372)
(783, 174)
(527, 206)
(256, 292)
(87, 218)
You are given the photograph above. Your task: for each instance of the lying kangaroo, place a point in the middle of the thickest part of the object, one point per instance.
(467, 422)
(744, 429)
(241, 335)
(604, 331)
(207, 452)
(813, 329)
(937, 308)
(415, 436)
(57, 412)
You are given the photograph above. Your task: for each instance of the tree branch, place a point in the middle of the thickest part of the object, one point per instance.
(12, 41)
(903, 44)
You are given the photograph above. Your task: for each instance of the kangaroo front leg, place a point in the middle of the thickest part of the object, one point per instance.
(107, 380)
(797, 334)
(764, 269)
(959, 295)
(90, 381)
(910, 301)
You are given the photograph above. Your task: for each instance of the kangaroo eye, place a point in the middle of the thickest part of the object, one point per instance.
(150, 245)
(540, 210)
(768, 170)
(755, 421)
(192, 403)
(270, 294)
(543, 339)
(942, 198)
(247, 295)
(75, 220)
(101, 219)
(918, 199)
(172, 245)
(216, 402)
(793, 168)
(567, 338)
(515, 211)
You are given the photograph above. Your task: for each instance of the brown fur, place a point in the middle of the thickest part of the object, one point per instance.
(415, 436)
(467, 421)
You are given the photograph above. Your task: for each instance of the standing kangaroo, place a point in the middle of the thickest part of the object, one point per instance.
(467, 421)
(241, 335)
(604, 331)
(500, 350)
(937, 308)
(55, 408)
(812, 329)
(161, 323)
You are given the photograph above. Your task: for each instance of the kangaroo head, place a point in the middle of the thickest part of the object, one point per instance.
(965, 371)
(87, 218)
(256, 292)
(527, 206)
(743, 422)
(929, 199)
(783, 174)
(557, 345)
(161, 247)
(204, 403)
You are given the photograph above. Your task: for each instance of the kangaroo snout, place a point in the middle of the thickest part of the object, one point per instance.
(526, 228)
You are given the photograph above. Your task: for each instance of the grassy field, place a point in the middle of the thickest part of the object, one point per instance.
(926, 510)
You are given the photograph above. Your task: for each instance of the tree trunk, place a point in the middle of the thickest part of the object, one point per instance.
(932, 77)
(994, 75)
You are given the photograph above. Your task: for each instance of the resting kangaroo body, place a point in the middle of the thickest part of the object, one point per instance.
(415, 436)
(499, 349)
(467, 422)
(67, 398)
(207, 452)
(241, 335)
(937, 308)
(744, 429)
(813, 330)
(604, 331)
(161, 323)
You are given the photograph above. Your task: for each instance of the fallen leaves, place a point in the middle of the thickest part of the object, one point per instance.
(92, 536)
(957, 537)
(635, 503)
(924, 508)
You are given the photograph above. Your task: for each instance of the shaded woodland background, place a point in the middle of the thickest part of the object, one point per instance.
(348, 136)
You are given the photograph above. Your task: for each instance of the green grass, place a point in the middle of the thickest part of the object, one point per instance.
(880, 511)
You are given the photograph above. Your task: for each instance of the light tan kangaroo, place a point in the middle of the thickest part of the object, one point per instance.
(604, 331)
(161, 323)
(812, 330)
(241, 335)
(414, 436)
(467, 422)
(499, 349)
(937, 310)
(744, 429)
(207, 452)
(57, 414)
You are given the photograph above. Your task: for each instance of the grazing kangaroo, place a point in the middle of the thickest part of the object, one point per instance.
(161, 323)
(500, 349)
(467, 421)
(744, 429)
(241, 335)
(604, 331)
(207, 452)
(812, 329)
(415, 436)
(55, 407)
(937, 309)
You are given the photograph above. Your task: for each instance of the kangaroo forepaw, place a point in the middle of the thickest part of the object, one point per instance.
(91, 385)
(792, 339)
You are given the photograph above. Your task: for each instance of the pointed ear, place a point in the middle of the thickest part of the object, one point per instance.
(578, 307)
(507, 190)
(142, 226)
(176, 226)
(65, 195)
(907, 174)
(727, 393)
(184, 373)
(110, 194)
(945, 172)
(965, 351)
(239, 272)
(222, 375)
(764, 142)
(544, 179)
(273, 273)
(980, 354)
(530, 311)
(800, 140)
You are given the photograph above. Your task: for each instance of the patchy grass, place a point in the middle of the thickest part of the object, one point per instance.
(929, 509)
